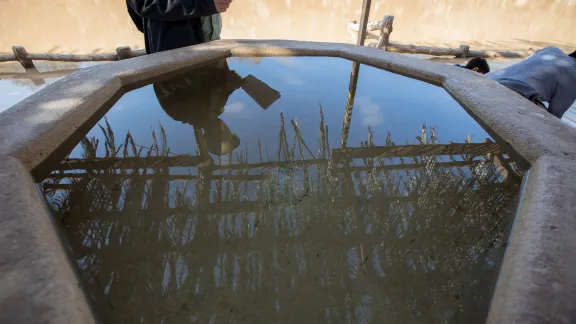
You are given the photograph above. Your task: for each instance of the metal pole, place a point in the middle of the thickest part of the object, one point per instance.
(364, 21)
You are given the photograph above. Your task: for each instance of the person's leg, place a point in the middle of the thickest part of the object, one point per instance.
(212, 27)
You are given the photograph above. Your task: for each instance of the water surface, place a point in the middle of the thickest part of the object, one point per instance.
(207, 198)
(17, 83)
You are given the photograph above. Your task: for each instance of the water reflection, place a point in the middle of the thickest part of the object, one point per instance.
(198, 98)
(294, 231)
(17, 83)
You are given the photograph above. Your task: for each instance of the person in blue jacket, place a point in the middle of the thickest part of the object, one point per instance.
(547, 76)
(171, 24)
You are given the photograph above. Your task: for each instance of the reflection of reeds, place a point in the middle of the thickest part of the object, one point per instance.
(355, 237)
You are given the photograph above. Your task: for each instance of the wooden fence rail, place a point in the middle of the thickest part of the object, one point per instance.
(386, 26)
(26, 59)
(474, 149)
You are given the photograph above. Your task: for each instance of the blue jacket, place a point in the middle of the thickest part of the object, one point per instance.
(549, 75)
(170, 24)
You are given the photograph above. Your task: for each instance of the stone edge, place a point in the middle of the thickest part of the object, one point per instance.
(535, 284)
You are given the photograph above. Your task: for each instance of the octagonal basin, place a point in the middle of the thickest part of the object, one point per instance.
(286, 190)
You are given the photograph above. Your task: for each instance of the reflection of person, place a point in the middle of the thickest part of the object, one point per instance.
(476, 64)
(547, 76)
(168, 24)
(198, 98)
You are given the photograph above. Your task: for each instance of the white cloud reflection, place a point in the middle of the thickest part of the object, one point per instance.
(370, 112)
(235, 108)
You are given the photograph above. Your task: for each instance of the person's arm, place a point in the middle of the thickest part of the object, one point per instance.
(135, 18)
(172, 10)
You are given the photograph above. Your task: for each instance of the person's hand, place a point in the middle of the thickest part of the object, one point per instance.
(222, 5)
(233, 80)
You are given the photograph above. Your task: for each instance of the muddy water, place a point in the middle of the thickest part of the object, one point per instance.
(98, 25)
(247, 192)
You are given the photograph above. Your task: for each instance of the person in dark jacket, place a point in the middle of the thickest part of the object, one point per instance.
(171, 24)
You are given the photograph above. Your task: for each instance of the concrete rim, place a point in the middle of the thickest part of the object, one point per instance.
(535, 283)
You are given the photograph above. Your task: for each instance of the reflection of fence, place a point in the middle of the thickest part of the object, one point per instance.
(123, 170)
(26, 59)
(385, 27)
(138, 228)
(308, 234)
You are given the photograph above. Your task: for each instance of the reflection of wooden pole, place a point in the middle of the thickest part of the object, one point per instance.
(37, 81)
(502, 165)
(249, 177)
(364, 21)
(475, 149)
(350, 104)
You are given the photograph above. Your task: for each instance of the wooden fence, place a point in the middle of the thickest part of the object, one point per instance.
(26, 59)
(386, 27)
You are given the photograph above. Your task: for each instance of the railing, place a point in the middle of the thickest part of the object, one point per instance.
(386, 27)
(26, 59)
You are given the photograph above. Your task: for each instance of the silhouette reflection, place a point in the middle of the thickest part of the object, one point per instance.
(198, 98)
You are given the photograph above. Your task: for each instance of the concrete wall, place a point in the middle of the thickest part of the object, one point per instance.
(38, 283)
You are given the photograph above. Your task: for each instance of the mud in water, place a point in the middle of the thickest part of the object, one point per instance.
(279, 190)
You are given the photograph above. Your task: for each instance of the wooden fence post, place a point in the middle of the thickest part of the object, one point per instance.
(22, 56)
(364, 22)
(387, 28)
(463, 51)
(124, 52)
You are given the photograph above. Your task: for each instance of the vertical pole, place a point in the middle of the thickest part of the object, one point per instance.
(22, 56)
(385, 31)
(124, 52)
(364, 21)
(204, 183)
(346, 173)
(35, 76)
(463, 51)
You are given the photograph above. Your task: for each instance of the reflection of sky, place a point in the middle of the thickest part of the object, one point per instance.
(17, 89)
(384, 101)
(13, 92)
(290, 71)
(370, 112)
